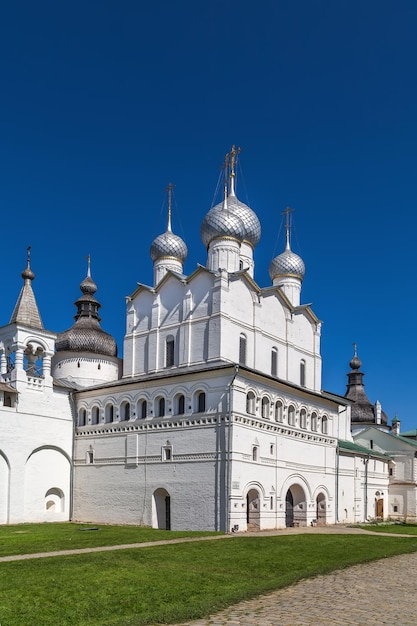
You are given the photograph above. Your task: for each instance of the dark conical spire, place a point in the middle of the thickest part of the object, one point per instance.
(86, 335)
(26, 311)
(362, 411)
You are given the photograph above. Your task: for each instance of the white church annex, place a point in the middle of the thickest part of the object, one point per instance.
(216, 419)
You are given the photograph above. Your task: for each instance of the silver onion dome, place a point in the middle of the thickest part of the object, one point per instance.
(168, 244)
(248, 217)
(221, 222)
(287, 264)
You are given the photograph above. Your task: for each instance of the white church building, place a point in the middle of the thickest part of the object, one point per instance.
(216, 418)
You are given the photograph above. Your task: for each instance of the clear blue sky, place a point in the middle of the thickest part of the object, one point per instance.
(104, 103)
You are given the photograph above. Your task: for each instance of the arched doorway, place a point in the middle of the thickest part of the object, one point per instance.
(321, 509)
(161, 517)
(253, 510)
(295, 507)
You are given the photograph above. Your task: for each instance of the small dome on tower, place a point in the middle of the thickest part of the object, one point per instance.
(287, 264)
(167, 244)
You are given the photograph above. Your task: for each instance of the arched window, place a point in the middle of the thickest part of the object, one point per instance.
(125, 411)
(255, 453)
(169, 352)
(109, 413)
(95, 415)
(242, 349)
(303, 418)
(278, 411)
(302, 373)
(324, 425)
(313, 421)
(143, 409)
(200, 402)
(250, 403)
(274, 362)
(160, 407)
(82, 417)
(265, 407)
(291, 415)
(179, 404)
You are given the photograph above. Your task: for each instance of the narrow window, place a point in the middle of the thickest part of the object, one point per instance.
(90, 457)
(314, 422)
(271, 503)
(255, 453)
(95, 417)
(324, 425)
(82, 417)
(180, 405)
(265, 407)
(271, 449)
(291, 416)
(274, 362)
(371, 444)
(126, 411)
(169, 357)
(242, 349)
(302, 373)
(201, 402)
(109, 413)
(250, 403)
(278, 411)
(303, 418)
(167, 453)
(143, 409)
(160, 407)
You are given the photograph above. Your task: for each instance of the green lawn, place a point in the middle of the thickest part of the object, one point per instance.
(170, 583)
(32, 538)
(394, 528)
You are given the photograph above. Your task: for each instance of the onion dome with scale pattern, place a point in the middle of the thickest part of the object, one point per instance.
(231, 217)
(287, 264)
(168, 244)
(86, 335)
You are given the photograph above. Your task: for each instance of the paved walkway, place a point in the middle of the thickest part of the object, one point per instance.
(371, 594)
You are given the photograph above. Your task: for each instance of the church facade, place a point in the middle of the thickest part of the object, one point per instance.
(216, 418)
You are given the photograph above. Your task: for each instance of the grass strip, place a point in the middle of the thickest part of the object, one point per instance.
(32, 538)
(172, 583)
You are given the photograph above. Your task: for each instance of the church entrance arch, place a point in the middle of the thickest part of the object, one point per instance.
(253, 500)
(161, 514)
(321, 509)
(295, 507)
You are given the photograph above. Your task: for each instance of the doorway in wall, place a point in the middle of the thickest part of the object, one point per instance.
(161, 517)
(253, 520)
(295, 507)
(321, 509)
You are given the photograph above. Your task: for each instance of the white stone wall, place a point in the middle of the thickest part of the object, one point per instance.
(35, 458)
